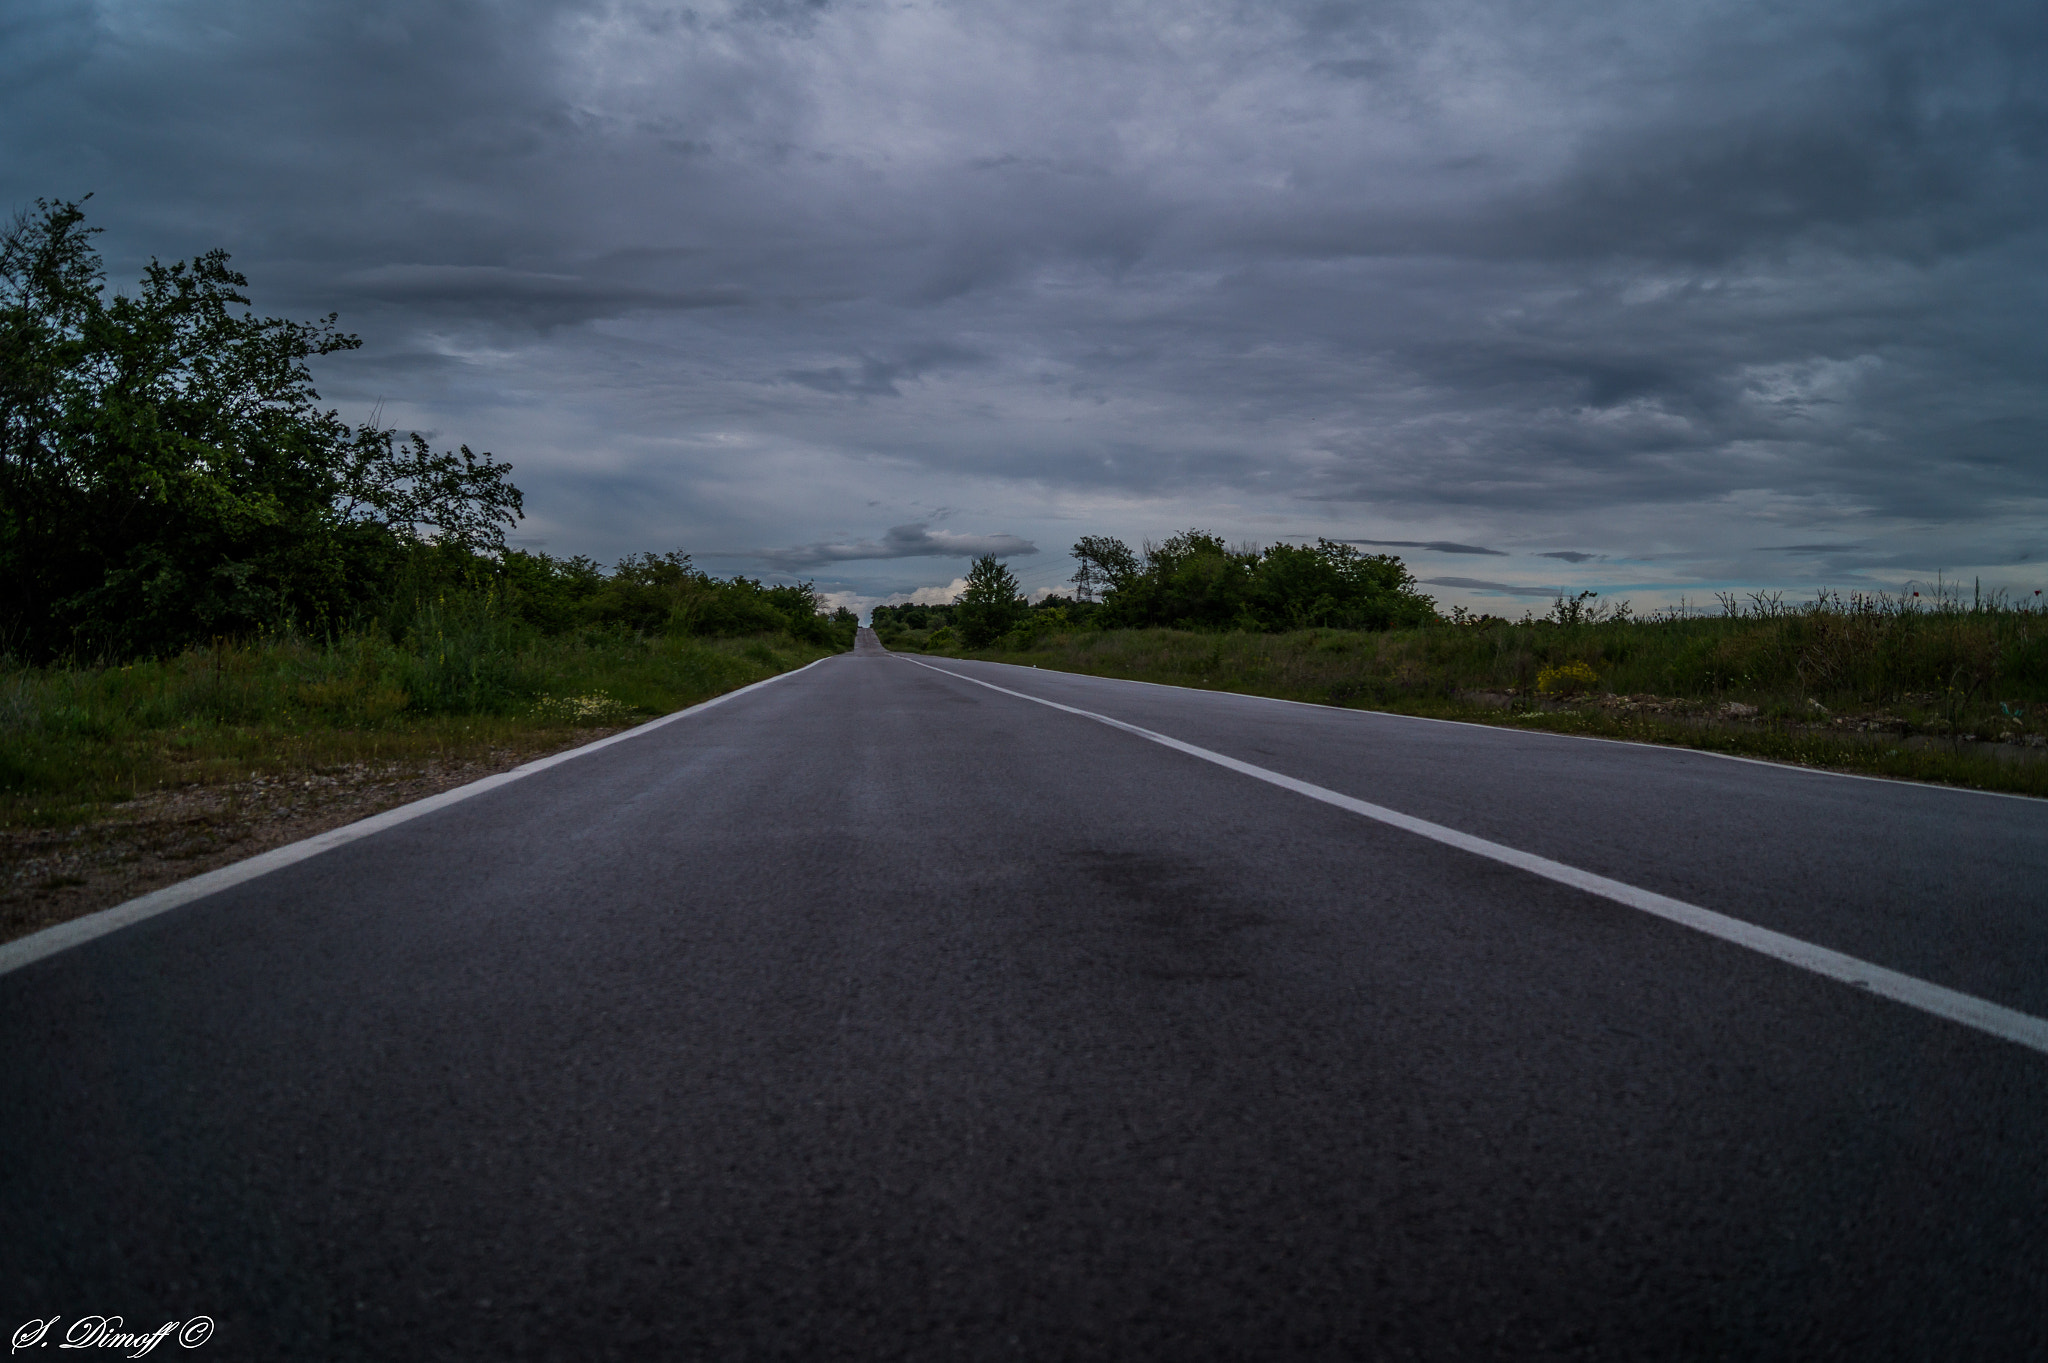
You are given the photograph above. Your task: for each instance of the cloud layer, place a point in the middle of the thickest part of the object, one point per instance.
(1664, 283)
(1440, 546)
(901, 541)
(1480, 585)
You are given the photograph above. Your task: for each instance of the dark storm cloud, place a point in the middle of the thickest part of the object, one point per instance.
(1440, 546)
(901, 541)
(527, 297)
(1479, 585)
(1676, 280)
(872, 377)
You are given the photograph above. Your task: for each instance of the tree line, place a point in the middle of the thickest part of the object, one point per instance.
(661, 594)
(1193, 581)
(168, 477)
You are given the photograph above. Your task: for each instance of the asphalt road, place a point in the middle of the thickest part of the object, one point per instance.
(878, 1014)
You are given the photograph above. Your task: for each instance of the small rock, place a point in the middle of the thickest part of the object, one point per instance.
(1735, 709)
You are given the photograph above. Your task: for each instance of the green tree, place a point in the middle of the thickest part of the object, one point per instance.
(990, 606)
(167, 473)
(1105, 565)
(1196, 581)
(666, 594)
(1334, 584)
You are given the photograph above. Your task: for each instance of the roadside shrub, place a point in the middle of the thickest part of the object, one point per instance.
(1566, 679)
(1195, 581)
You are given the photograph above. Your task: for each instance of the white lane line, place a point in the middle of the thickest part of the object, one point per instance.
(1969, 1010)
(34, 947)
(1637, 743)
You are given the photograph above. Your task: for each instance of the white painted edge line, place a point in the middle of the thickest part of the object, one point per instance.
(1534, 733)
(34, 947)
(1983, 1015)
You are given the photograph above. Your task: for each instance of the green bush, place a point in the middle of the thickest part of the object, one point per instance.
(168, 479)
(1195, 581)
(167, 475)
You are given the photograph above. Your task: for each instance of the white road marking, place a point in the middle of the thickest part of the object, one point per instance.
(34, 947)
(1971, 1011)
(1773, 763)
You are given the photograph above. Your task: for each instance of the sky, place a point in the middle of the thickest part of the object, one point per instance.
(1656, 299)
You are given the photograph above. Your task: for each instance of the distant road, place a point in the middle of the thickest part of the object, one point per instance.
(878, 1013)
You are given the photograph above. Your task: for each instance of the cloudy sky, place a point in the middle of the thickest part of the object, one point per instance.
(1656, 298)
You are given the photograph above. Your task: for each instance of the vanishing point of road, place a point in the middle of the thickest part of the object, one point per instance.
(887, 1011)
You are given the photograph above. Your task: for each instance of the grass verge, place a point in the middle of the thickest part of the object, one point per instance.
(1991, 739)
(116, 781)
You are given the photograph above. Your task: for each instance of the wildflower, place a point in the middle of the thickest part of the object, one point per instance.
(1566, 679)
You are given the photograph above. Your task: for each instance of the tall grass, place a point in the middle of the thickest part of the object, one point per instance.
(460, 677)
(1867, 682)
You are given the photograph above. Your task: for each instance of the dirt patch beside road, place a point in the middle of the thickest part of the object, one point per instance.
(51, 875)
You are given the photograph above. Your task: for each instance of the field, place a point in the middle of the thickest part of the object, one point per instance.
(114, 780)
(1950, 691)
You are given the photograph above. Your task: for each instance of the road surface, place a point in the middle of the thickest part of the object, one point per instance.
(877, 1013)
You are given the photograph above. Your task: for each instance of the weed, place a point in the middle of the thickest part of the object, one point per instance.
(1566, 679)
(73, 739)
(1866, 682)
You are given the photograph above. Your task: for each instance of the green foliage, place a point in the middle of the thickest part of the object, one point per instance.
(466, 675)
(1863, 650)
(915, 628)
(1917, 690)
(1106, 565)
(663, 594)
(1192, 581)
(167, 478)
(1566, 679)
(1195, 581)
(1335, 586)
(167, 475)
(990, 605)
(549, 593)
(892, 620)
(461, 655)
(1037, 624)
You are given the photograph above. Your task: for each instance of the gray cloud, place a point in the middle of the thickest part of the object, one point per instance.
(872, 377)
(1440, 546)
(526, 295)
(1478, 585)
(901, 541)
(1671, 280)
(1573, 556)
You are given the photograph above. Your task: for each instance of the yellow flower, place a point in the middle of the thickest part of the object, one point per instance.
(1566, 679)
